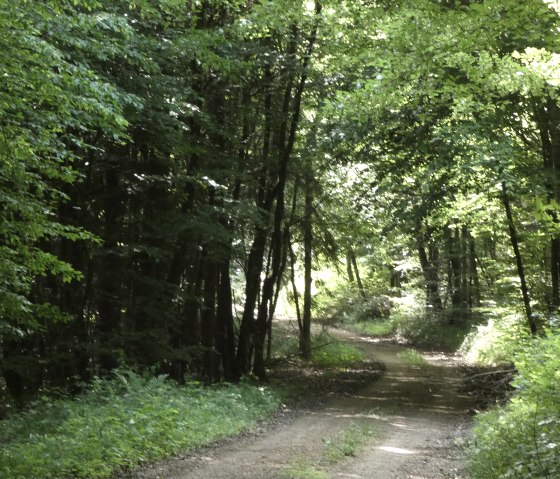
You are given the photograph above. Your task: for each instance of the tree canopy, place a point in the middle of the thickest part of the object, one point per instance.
(168, 166)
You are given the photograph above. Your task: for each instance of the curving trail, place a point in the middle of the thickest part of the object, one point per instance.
(417, 413)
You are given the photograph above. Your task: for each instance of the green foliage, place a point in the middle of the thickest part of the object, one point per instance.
(413, 357)
(413, 323)
(304, 470)
(49, 103)
(496, 341)
(372, 328)
(327, 351)
(348, 442)
(330, 352)
(122, 422)
(344, 443)
(338, 301)
(521, 439)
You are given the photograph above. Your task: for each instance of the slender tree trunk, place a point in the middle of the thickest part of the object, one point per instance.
(294, 286)
(305, 333)
(255, 261)
(455, 263)
(548, 120)
(109, 273)
(208, 321)
(225, 338)
(285, 140)
(277, 289)
(349, 266)
(474, 300)
(519, 261)
(431, 278)
(555, 273)
(357, 274)
(465, 292)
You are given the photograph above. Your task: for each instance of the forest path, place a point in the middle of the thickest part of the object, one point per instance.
(417, 415)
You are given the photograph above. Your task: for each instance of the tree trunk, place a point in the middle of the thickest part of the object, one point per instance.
(519, 261)
(225, 339)
(349, 266)
(208, 321)
(431, 278)
(474, 281)
(548, 120)
(294, 286)
(357, 274)
(305, 332)
(109, 273)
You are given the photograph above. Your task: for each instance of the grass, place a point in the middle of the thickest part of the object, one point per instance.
(129, 420)
(123, 422)
(348, 442)
(327, 351)
(372, 328)
(345, 443)
(333, 353)
(412, 357)
(306, 470)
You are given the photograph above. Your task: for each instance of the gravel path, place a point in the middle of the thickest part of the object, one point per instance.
(418, 415)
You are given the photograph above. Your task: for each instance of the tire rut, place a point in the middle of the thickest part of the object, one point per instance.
(417, 412)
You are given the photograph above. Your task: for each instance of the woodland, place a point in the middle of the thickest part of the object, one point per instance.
(173, 171)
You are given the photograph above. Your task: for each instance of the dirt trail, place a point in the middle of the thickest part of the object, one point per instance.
(417, 413)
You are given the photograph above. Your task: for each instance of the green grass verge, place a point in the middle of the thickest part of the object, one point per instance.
(372, 328)
(345, 443)
(412, 357)
(327, 351)
(348, 442)
(123, 422)
(333, 353)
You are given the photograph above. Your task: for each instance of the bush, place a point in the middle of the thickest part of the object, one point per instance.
(522, 439)
(326, 350)
(122, 422)
(343, 302)
(496, 341)
(414, 324)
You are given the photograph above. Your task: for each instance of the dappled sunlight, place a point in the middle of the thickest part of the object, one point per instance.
(406, 427)
(396, 450)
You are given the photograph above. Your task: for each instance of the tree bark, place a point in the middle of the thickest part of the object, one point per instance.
(357, 274)
(519, 260)
(305, 332)
(431, 278)
(349, 266)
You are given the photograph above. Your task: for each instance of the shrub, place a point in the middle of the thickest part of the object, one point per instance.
(413, 323)
(497, 340)
(521, 440)
(122, 422)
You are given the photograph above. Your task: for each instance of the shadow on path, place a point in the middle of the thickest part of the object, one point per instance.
(417, 412)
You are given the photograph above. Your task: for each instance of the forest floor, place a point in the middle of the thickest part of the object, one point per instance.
(409, 424)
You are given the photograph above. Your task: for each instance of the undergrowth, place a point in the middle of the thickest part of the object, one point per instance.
(122, 422)
(372, 327)
(326, 350)
(332, 353)
(522, 439)
(412, 357)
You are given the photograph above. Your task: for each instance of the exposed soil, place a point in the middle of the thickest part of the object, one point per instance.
(419, 416)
